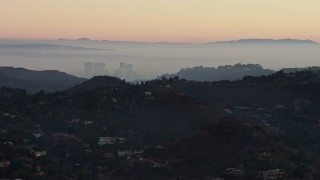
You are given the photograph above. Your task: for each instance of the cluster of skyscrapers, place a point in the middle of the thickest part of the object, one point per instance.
(125, 71)
(94, 69)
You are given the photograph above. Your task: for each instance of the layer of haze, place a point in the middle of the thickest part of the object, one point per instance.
(165, 20)
(152, 59)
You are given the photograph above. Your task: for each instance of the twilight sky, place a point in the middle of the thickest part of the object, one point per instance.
(160, 20)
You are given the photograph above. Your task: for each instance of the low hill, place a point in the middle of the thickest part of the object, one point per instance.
(33, 81)
(98, 82)
(227, 72)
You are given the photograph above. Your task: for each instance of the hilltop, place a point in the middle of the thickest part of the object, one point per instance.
(34, 81)
(227, 72)
(98, 82)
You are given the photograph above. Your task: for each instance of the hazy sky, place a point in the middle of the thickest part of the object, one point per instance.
(160, 20)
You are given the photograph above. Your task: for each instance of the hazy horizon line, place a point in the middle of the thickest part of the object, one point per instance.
(138, 41)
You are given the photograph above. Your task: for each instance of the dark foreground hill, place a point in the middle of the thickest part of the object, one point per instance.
(156, 130)
(228, 149)
(98, 82)
(34, 81)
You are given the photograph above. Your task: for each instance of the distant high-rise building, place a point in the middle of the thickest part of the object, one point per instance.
(99, 69)
(88, 69)
(129, 67)
(125, 71)
(122, 65)
(94, 69)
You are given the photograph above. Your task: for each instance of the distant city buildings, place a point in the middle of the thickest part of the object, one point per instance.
(94, 69)
(125, 71)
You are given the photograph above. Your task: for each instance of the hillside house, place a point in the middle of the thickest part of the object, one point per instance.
(8, 143)
(147, 93)
(234, 171)
(8, 115)
(272, 174)
(227, 110)
(88, 122)
(125, 153)
(75, 120)
(3, 131)
(138, 152)
(37, 135)
(40, 153)
(5, 163)
(262, 154)
(215, 178)
(164, 164)
(111, 140)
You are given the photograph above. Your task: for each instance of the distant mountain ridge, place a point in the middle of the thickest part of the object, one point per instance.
(33, 81)
(248, 40)
(44, 45)
(227, 72)
(268, 41)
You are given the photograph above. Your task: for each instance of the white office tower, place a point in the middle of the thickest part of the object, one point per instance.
(125, 71)
(129, 67)
(99, 69)
(122, 65)
(88, 69)
(94, 69)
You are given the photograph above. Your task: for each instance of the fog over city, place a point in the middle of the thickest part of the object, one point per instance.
(150, 60)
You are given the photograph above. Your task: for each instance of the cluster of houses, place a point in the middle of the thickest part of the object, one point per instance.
(111, 140)
(262, 154)
(151, 163)
(265, 116)
(9, 143)
(7, 115)
(272, 174)
(266, 175)
(39, 153)
(164, 164)
(75, 120)
(114, 100)
(37, 134)
(148, 95)
(78, 120)
(127, 154)
(234, 171)
(5, 163)
(215, 178)
(88, 122)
